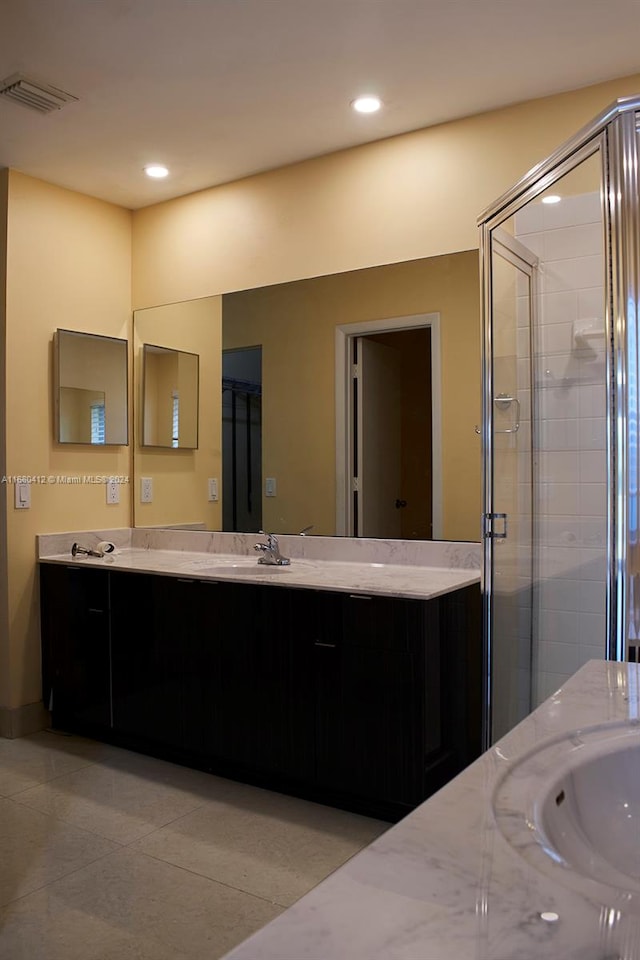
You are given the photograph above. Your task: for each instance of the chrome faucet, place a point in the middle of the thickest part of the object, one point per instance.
(271, 551)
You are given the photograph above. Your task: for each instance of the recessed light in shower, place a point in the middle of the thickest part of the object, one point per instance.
(552, 198)
(157, 171)
(366, 104)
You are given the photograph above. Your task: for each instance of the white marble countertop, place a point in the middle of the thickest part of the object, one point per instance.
(386, 579)
(444, 884)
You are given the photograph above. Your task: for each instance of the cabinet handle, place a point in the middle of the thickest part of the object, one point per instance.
(94, 610)
(359, 596)
(318, 643)
(184, 580)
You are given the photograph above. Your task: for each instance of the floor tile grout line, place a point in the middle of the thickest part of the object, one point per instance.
(62, 876)
(204, 876)
(41, 783)
(121, 843)
(68, 823)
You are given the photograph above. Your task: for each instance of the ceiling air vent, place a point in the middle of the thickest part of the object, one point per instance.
(33, 93)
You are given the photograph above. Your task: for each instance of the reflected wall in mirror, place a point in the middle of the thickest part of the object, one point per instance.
(90, 388)
(169, 398)
(295, 325)
(180, 475)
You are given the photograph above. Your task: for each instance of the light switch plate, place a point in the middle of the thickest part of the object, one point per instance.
(270, 487)
(113, 491)
(22, 496)
(213, 489)
(146, 489)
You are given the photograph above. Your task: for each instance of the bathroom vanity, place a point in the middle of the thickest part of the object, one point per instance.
(354, 684)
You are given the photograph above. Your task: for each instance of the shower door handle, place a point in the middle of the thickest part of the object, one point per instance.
(489, 524)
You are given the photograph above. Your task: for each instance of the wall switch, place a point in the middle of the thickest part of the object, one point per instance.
(146, 490)
(113, 491)
(22, 496)
(270, 487)
(213, 489)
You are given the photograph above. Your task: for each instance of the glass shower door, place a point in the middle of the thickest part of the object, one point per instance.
(508, 523)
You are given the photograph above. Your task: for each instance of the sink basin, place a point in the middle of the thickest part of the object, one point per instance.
(571, 808)
(241, 569)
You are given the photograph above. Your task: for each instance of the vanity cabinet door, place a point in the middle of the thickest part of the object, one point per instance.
(155, 622)
(259, 711)
(372, 699)
(74, 605)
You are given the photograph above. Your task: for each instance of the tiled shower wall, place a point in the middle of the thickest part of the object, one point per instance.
(569, 435)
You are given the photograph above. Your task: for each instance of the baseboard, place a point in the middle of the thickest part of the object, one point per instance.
(21, 721)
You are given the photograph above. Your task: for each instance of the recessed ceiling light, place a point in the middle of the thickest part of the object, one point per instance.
(552, 198)
(156, 170)
(367, 104)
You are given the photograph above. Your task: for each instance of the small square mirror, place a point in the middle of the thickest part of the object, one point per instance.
(91, 399)
(169, 398)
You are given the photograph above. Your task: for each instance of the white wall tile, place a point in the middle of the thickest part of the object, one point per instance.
(592, 597)
(559, 307)
(592, 631)
(591, 303)
(592, 499)
(558, 594)
(572, 274)
(592, 433)
(557, 498)
(576, 241)
(593, 466)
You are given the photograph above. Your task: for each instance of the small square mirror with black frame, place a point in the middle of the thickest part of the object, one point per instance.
(91, 389)
(170, 398)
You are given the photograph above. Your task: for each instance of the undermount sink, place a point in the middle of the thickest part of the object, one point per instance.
(571, 808)
(241, 569)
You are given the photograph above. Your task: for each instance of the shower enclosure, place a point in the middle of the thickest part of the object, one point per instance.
(560, 273)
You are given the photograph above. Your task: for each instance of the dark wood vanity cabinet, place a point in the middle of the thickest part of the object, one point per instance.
(350, 700)
(76, 665)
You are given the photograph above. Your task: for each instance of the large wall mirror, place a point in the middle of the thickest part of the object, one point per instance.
(90, 388)
(281, 422)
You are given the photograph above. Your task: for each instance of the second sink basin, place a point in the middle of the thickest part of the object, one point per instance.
(571, 808)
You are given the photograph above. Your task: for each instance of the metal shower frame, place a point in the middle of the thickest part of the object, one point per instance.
(614, 134)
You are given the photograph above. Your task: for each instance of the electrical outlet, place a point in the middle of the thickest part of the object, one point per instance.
(270, 487)
(213, 489)
(146, 490)
(113, 491)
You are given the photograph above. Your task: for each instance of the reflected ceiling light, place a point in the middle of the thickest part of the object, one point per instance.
(552, 198)
(367, 104)
(550, 916)
(157, 171)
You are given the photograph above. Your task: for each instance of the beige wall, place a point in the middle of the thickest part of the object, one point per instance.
(180, 476)
(68, 265)
(411, 196)
(295, 323)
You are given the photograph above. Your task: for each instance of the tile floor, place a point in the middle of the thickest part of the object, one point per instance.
(108, 855)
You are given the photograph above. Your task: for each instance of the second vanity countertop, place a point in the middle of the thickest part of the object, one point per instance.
(384, 579)
(444, 884)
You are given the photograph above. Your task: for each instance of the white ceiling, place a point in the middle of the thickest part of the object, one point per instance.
(219, 89)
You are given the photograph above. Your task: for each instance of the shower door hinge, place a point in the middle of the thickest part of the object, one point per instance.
(488, 530)
(355, 485)
(355, 371)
